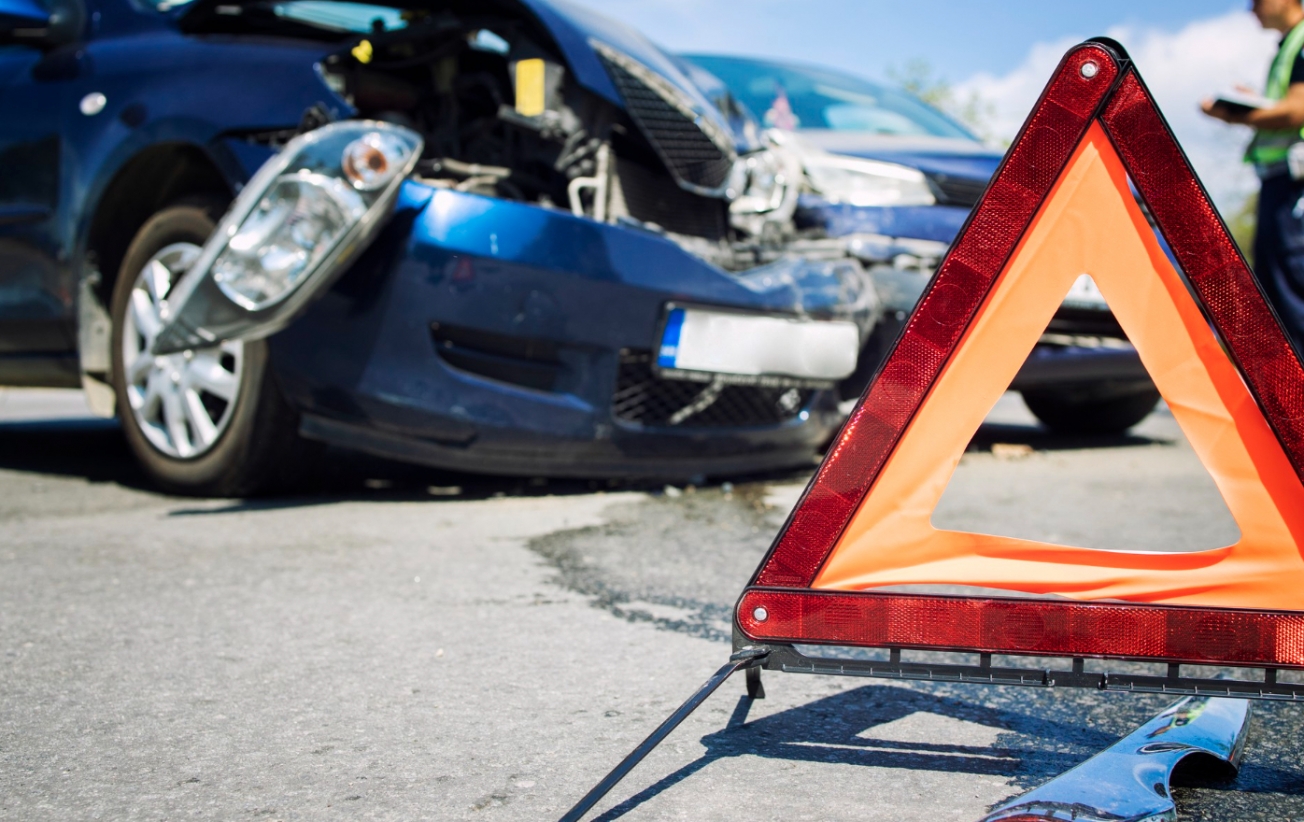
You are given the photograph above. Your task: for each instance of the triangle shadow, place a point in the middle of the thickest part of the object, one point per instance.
(838, 729)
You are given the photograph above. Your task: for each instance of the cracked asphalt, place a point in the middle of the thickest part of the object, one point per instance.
(398, 643)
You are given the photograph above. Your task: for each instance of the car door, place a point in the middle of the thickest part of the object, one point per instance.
(37, 334)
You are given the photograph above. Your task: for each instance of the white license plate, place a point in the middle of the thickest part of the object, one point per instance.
(721, 342)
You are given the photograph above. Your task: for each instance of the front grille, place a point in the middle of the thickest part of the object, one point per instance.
(652, 197)
(644, 398)
(696, 151)
(957, 191)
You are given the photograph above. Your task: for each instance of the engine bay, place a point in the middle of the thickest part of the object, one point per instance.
(502, 116)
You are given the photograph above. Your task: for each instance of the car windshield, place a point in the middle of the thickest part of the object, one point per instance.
(333, 15)
(341, 16)
(164, 5)
(799, 97)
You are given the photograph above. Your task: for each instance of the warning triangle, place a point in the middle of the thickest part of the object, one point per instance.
(1061, 206)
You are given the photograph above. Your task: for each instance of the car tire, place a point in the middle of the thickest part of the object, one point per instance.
(209, 422)
(1099, 409)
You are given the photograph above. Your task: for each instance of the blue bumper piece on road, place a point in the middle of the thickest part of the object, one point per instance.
(1129, 781)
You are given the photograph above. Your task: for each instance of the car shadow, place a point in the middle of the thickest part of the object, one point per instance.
(1043, 439)
(88, 448)
(1031, 747)
(95, 450)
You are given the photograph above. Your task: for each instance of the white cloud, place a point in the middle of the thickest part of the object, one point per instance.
(1181, 68)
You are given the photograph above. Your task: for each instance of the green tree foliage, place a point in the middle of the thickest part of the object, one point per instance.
(919, 78)
(1241, 223)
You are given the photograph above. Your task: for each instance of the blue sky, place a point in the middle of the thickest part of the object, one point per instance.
(869, 36)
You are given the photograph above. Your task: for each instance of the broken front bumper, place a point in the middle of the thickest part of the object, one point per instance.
(493, 336)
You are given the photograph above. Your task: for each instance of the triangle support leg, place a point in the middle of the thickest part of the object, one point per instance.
(746, 659)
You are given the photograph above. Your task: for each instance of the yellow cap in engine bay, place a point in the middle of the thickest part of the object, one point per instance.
(531, 93)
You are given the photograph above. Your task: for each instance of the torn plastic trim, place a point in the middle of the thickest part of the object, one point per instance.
(838, 289)
(1130, 780)
(902, 252)
(200, 311)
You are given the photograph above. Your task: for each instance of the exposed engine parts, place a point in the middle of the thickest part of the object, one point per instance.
(501, 117)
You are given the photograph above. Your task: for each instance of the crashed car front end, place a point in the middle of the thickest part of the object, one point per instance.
(551, 275)
(493, 345)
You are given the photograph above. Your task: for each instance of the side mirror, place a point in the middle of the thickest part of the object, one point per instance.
(41, 23)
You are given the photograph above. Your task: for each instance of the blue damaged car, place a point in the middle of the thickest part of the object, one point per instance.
(501, 236)
(897, 179)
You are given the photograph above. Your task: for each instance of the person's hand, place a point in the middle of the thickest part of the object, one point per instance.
(1218, 111)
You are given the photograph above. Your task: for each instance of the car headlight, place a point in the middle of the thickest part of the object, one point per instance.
(867, 182)
(302, 218)
(757, 183)
(763, 187)
(294, 226)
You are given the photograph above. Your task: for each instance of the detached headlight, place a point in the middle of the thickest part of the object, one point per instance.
(866, 182)
(291, 230)
(297, 224)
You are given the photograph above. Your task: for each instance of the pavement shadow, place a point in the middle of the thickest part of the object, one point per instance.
(840, 729)
(1031, 748)
(89, 448)
(1043, 439)
(349, 476)
(95, 450)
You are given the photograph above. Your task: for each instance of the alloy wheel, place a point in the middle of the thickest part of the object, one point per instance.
(181, 402)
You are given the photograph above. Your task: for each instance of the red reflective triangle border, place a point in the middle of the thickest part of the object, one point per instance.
(985, 244)
(1228, 292)
(1230, 298)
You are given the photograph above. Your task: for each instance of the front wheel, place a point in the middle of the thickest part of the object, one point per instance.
(1094, 409)
(207, 421)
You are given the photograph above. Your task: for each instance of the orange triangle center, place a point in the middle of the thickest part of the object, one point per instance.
(1089, 224)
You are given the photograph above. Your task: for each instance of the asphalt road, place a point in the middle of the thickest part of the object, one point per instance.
(402, 644)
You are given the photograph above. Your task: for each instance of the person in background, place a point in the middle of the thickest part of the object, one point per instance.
(1277, 152)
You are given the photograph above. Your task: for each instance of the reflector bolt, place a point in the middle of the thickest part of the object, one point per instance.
(760, 615)
(1089, 70)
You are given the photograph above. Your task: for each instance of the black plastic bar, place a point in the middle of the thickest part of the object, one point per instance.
(790, 660)
(743, 659)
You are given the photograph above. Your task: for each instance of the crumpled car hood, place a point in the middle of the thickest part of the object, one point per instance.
(574, 29)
